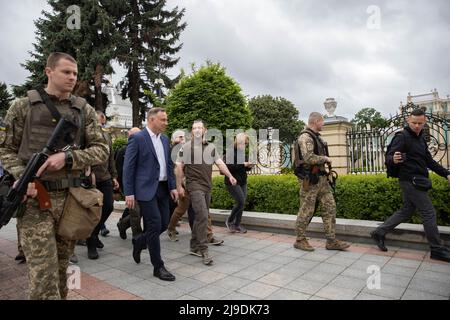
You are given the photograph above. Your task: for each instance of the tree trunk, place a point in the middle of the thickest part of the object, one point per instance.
(134, 94)
(98, 76)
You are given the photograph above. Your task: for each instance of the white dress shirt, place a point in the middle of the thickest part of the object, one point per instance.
(157, 144)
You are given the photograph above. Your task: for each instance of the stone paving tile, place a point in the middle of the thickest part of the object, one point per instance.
(409, 263)
(277, 278)
(337, 293)
(209, 276)
(227, 268)
(402, 271)
(317, 298)
(329, 268)
(313, 256)
(238, 296)
(278, 259)
(210, 292)
(109, 274)
(432, 275)
(293, 253)
(232, 282)
(259, 255)
(411, 294)
(443, 268)
(346, 262)
(123, 281)
(143, 288)
(386, 291)
(251, 274)
(187, 297)
(349, 283)
(189, 271)
(380, 260)
(225, 257)
(163, 293)
(245, 261)
(301, 285)
(318, 276)
(430, 286)
(355, 273)
(286, 294)
(394, 280)
(187, 285)
(366, 296)
(258, 289)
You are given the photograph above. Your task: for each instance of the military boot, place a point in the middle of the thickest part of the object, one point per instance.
(335, 244)
(303, 245)
(91, 243)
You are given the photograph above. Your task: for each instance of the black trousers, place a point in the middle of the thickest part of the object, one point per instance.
(415, 199)
(106, 188)
(156, 219)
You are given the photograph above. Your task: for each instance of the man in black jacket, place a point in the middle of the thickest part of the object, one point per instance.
(130, 218)
(410, 152)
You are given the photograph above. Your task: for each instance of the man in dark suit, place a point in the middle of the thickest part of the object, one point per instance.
(149, 179)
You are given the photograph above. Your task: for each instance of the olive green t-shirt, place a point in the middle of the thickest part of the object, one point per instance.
(198, 159)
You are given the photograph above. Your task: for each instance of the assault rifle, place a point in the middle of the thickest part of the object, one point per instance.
(14, 197)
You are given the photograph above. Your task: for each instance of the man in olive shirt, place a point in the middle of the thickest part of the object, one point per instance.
(195, 161)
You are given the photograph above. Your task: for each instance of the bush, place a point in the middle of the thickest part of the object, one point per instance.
(118, 143)
(362, 197)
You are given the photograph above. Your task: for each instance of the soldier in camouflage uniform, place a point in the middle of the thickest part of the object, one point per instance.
(313, 152)
(29, 124)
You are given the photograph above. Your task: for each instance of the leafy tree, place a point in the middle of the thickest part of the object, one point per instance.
(5, 99)
(92, 45)
(278, 113)
(149, 34)
(211, 95)
(369, 116)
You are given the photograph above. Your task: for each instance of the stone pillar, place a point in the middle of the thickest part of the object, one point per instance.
(334, 133)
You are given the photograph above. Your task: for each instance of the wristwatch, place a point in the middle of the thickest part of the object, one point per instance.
(69, 158)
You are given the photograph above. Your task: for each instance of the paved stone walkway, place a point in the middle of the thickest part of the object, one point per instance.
(256, 265)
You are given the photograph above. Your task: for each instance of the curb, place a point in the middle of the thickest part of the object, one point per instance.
(405, 235)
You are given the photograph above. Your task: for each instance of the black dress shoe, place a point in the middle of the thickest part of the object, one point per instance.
(379, 240)
(100, 244)
(20, 257)
(136, 252)
(163, 274)
(442, 254)
(122, 231)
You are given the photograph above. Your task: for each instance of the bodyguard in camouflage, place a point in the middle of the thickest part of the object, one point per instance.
(29, 124)
(315, 187)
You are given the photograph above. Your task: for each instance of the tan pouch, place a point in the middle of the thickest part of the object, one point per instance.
(81, 214)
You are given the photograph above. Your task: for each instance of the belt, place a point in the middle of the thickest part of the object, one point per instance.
(61, 184)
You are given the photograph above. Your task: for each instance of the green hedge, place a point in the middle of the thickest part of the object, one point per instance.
(364, 197)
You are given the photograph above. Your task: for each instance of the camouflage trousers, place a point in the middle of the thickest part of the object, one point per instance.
(308, 196)
(47, 254)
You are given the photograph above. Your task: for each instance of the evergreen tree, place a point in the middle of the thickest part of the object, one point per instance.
(149, 42)
(92, 45)
(5, 99)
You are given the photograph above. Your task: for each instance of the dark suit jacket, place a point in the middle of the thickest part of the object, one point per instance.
(141, 167)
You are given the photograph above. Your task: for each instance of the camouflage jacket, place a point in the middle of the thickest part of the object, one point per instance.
(107, 170)
(306, 144)
(95, 152)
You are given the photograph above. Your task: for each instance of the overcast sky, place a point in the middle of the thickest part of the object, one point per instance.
(305, 51)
